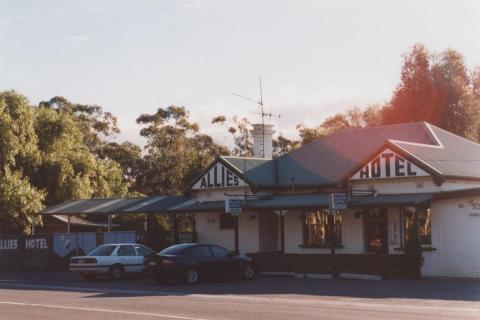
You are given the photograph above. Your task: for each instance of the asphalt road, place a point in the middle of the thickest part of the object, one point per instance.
(63, 296)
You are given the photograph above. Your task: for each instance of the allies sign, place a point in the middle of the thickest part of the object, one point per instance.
(219, 177)
(388, 164)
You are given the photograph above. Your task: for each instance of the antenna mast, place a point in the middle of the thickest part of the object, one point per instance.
(262, 113)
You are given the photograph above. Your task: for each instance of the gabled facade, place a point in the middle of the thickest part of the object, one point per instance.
(390, 174)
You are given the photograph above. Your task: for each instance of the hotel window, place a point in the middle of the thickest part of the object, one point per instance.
(317, 231)
(226, 221)
(424, 225)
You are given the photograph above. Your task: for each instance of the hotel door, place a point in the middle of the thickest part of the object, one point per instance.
(376, 230)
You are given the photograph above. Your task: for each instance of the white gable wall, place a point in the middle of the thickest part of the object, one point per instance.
(456, 237)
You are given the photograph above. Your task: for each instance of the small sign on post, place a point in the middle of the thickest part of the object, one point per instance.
(233, 206)
(338, 201)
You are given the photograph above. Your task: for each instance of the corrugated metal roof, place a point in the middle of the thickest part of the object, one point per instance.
(390, 200)
(458, 156)
(155, 204)
(259, 171)
(77, 221)
(327, 161)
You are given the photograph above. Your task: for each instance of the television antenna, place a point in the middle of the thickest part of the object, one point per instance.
(262, 112)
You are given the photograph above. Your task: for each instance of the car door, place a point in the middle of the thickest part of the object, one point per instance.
(129, 259)
(203, 260)
(223, 261)
(142, 251)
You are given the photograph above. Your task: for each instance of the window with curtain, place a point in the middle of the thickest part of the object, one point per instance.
(317, 231)
(424, 225)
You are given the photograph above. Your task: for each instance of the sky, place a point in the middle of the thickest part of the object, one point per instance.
(316, 58)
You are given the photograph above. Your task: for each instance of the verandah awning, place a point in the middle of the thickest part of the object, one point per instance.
(181, 204)
(157, 204)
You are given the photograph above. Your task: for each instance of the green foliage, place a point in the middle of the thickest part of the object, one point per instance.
(91, 119)
(18, 203)
(176, 151)
(45, 157)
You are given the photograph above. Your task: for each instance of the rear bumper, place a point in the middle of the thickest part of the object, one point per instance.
(86, 269)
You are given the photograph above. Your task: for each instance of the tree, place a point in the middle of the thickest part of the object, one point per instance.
(437, 88)
(19, 201)
(239, 128)
(128, 155)
(44, 160)
(352, 118)
(91, 119)
(176, 151)
(282, 145)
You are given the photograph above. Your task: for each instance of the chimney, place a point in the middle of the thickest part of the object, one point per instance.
(262, 140)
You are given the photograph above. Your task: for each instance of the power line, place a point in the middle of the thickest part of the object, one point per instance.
(100, 25)
(179, 29)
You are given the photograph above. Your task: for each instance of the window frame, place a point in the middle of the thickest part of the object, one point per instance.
(327, 242)
(226, 221)
(404, 231)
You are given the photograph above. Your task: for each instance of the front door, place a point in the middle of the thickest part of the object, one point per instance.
(376, 230)
(269, 229)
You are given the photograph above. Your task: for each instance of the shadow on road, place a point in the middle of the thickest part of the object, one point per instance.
(455, 290)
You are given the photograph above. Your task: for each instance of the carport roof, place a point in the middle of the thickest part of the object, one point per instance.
(155, 204)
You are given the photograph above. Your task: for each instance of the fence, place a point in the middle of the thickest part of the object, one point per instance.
(44, 251)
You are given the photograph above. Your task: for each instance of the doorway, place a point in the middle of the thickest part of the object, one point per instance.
(376, 230)
(269, 227)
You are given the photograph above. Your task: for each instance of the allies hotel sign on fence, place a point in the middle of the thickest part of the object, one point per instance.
(388, 164)
(218, 176)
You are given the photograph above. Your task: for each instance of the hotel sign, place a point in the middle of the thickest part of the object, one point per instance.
(388, 164)
(218, 176)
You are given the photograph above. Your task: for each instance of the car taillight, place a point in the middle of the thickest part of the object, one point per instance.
(167, 263)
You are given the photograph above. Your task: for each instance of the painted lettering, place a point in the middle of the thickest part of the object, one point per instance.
(229, 179)
(235, 181)
(364, 172)
(399, 166)
(375, 168)
(9, 244)
(410, 172)
(39, 243)
(203, 183)
(209, 184)
(215, 179)
(386, 158)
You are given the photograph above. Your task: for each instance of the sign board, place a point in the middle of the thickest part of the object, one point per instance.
(388, 164)
(233, 206)
(218, 176)
(338, 201)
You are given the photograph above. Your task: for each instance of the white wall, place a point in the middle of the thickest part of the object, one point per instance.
(456, 237)
(208, 231)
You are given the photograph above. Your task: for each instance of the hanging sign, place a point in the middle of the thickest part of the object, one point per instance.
(233, 205)
(338, 201)
(218, 176)
(388, 164)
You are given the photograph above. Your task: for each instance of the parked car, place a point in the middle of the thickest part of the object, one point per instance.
(113, 260)
(191, 262)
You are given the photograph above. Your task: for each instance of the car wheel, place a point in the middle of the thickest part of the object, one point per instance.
(191, 276)
(116, 272)
(248, 272)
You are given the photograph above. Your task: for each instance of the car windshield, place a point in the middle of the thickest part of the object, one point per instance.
(175, 250)
(102, 251)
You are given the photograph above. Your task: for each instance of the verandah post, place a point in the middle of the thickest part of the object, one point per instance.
(235, 228)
